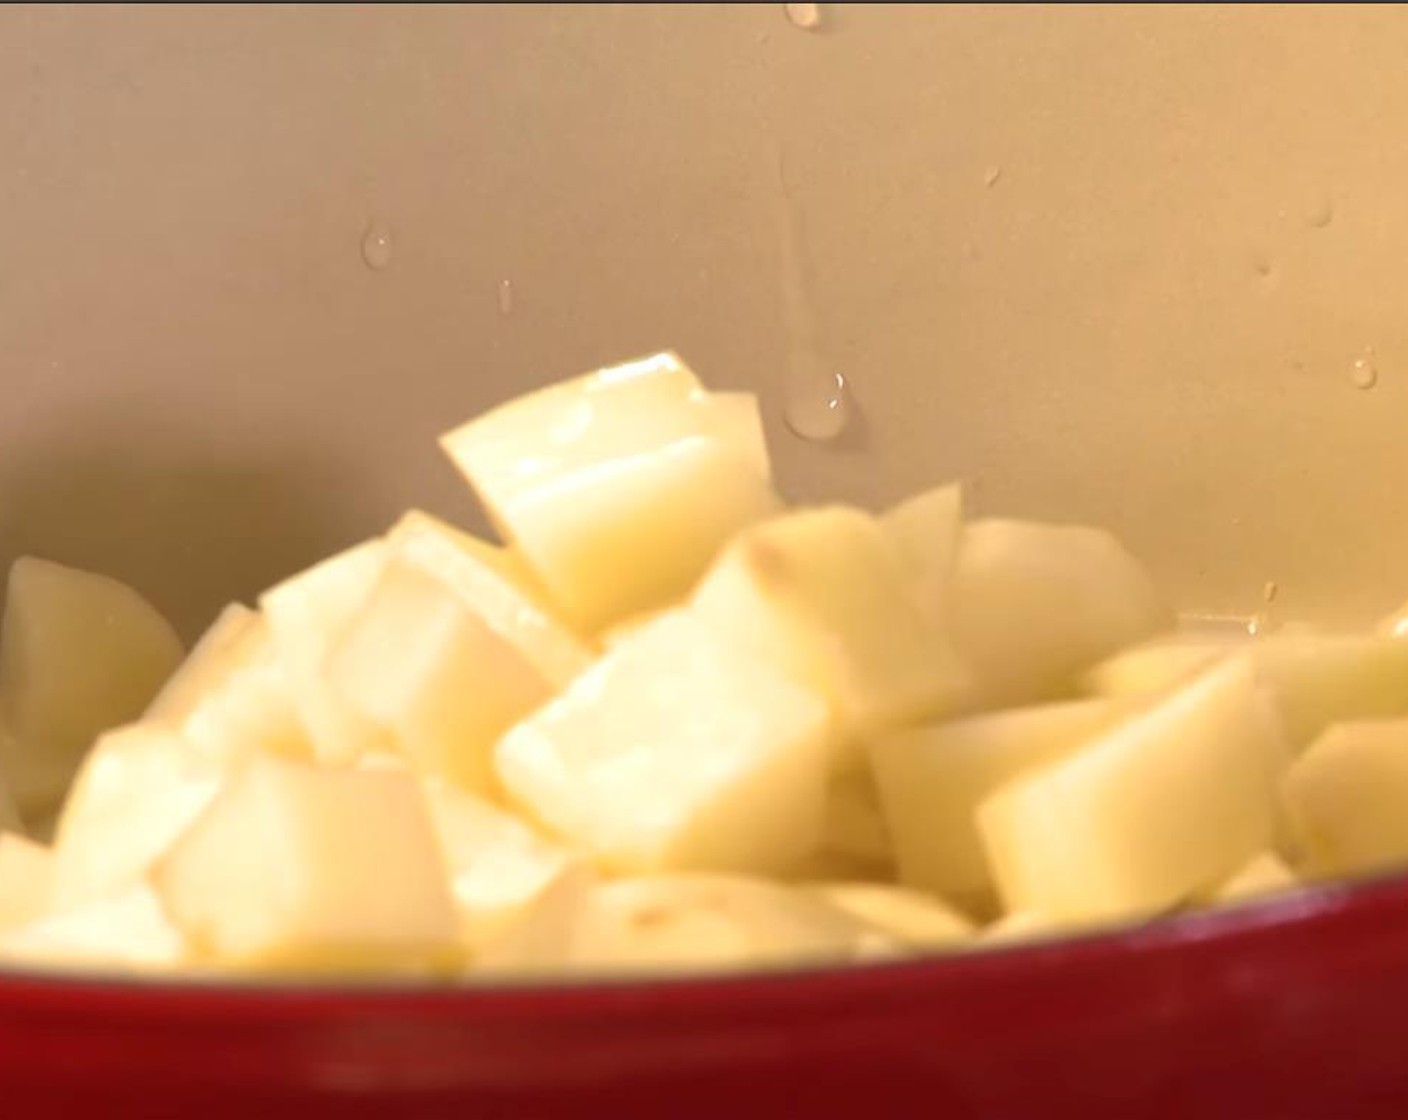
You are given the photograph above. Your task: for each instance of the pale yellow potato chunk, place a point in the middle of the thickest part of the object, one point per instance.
(912, 918)
(1153, 667)
(495, 584)
(236, 637)
(436, 677)
(1265, 873)
(308, 615)
(823, 595)
(1319, 680)
(933, 778)
(234, 694)
(497, 864)
(711, 922)
(1347, 798)
(139, 789)
(297, 866)
(79, 653)
(125, 932)
(1148, 813)
(926, 529)
(1035, 604)
(617, 487)
(676, 751)
(26, 880)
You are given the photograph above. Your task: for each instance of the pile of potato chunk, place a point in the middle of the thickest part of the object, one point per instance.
(670, 723)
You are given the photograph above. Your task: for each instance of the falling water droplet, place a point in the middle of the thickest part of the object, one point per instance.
(805, 16)
(1321, 214)
(991, 176)
(819, 409)
(1269, 592)
(1364, 373)
(505, 298)
(376, 246)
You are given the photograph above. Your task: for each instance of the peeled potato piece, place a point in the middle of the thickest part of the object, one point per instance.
(1145, 815)
(79, 653)
(494, 583)
(617, 487)
(308, 615)
(128, 931)
(298, 866)
(926, 529)
(823, 595)
(138, 791)
(434, 676)
(932, 778)
(676, 751)
(497, 864)
(1035, 604)
(1319, 680)
(1347, 798)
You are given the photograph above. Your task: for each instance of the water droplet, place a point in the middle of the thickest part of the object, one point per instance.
(819, 408)
(816, 400)
(991, 176)
(1268, 593)
(805, 16)
(1364, 374)
(376, 246)
(505, 298)
(1321, 214)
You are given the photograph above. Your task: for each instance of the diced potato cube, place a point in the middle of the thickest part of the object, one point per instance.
(1264, 873)
(139, 789)
(497, 864)
(926, 530)
(495, 584)
(79, 653)
(618, 487)
(237, 637)
(308, 615)
(1152, 667)
(711, 922)
(655, 757)
(442, 683)
(823, 595)
(1319, 680)
(933, 778)
(128, 931)
(26, 880)
(296, 866)
(1145, 815)
(915, 919)
(233, 696)
(1036, 604)
(1347, 798)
